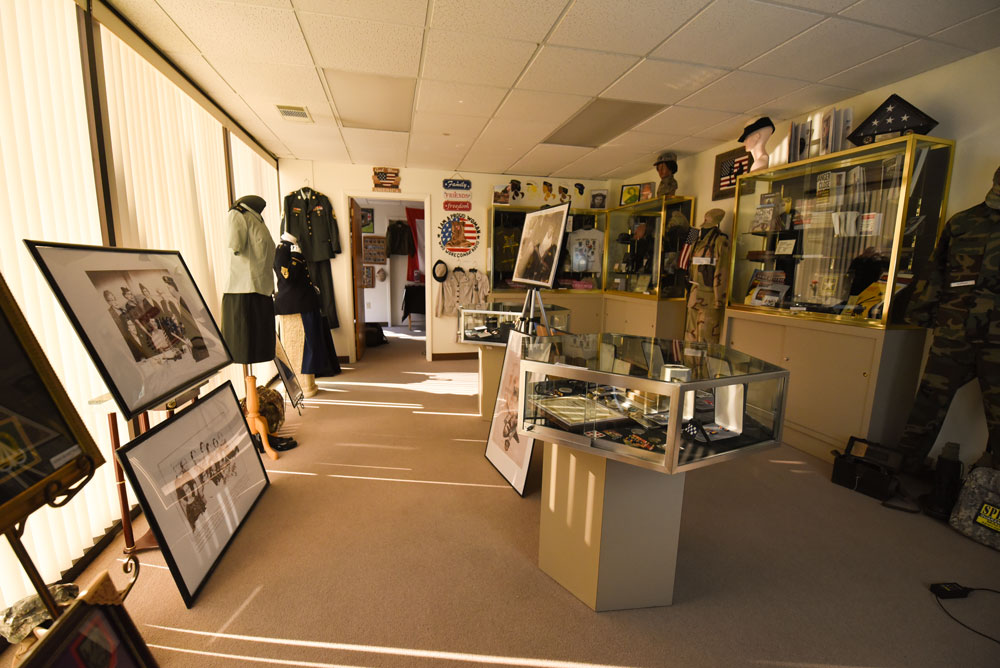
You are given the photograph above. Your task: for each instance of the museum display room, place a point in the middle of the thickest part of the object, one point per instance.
(447, 332)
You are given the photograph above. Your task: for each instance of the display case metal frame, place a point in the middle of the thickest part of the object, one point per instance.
(559, 318)
(907, 146)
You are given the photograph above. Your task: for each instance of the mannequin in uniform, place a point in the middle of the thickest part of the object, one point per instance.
(305, 332)
(754, 139)
(666, 167)
(959, 298)
(247, 307)
(708, 272)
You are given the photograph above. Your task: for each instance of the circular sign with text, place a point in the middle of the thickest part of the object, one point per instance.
(459, 235)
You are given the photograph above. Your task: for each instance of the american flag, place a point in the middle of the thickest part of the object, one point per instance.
(731, 168)
(685, 258)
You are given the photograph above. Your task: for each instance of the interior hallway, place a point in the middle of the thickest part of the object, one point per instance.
(387, 539)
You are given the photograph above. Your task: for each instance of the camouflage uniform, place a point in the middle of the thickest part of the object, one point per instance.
(707, 299)
(960, 299)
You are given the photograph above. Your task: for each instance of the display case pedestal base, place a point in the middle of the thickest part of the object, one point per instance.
(609, 531)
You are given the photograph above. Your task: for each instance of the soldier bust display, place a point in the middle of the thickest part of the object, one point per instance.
(960, 299)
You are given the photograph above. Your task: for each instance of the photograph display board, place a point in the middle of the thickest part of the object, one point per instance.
(541, 243)
(373, 249)
(42, 439)
(197, 476)
(507, 450)
(288, 378)
(141, 317)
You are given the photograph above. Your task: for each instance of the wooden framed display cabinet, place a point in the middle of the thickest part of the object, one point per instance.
(826, 253)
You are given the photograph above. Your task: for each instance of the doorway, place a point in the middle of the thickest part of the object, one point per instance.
(390, 288)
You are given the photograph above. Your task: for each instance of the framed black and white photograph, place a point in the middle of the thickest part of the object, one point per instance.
(599, 199)
(508, 451)
(140, 316)
(45, 448)
(197, 476)
(541, 242)
(288, 378)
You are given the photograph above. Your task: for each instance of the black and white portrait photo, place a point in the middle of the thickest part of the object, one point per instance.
(541, 242)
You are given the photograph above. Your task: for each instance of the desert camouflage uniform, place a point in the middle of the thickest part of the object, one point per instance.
(960, 299)
(707, 299)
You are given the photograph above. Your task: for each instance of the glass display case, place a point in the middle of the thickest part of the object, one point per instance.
(491, 324)
(840, 236)
(659, 403)
(644, 242)
(581, 264)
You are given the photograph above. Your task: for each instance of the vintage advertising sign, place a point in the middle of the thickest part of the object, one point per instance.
(459, 235)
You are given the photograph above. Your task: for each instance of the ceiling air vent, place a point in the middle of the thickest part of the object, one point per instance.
(296, 114)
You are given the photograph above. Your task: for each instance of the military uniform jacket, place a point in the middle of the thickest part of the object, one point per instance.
(308, 216)
(252, 253)
(960, 296)
(296, 292)
(399, 238)
(709, 268)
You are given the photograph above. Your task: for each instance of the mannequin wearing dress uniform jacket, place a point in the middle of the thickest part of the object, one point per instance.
(247, 307)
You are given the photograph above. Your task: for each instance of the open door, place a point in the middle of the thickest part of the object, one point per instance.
(357, 268)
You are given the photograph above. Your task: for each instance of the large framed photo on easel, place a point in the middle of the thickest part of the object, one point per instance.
(541, 243)
(197, 476)
(140, 316)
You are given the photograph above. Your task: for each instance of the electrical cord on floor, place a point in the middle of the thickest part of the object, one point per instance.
(950, 590)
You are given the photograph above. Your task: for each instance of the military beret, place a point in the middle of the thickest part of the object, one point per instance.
(759, 124)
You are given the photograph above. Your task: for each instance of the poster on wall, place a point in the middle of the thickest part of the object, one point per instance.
(508, 451)
(373, 249)
(728, 166)
(140, 316)
(197, 476)
(459, 235)
(367, 221)
(368, 276)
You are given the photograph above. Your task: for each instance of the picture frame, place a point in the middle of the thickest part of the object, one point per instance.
(368, 276)
(647, 191)
(91, 634)
(288, 377)
(47, 447)
(367, 221)
(728, 166)
(541, 243)
(197, 476)
(630, 194)
(599, 199)
(147, 347)
(373, 249)
(508, 451)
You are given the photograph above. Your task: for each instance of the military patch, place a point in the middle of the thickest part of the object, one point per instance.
(284, 272)
(989, 517)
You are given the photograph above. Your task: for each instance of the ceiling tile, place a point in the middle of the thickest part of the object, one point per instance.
(358, 45)
(729, 130)
(274, 83)
(453, 56)
(803, 100)
(644, 141)
(824, 6)
(376, 147)
(693, 145)
(265, 34)
(410, 12)
(747, 28)
(922, 17)
(152, 21)
(602, 120)
(635, 28)
(561, 70)
(456, 127)
(662, 81)
(322, 143)
(444, 97)
(372, 101)
(826, 49)
(528, 20)
(629, 169)
(488, 159)
(546, 158)
(284, 4)
(683, 120)
(600, 161)
(528, 105)
(436, 151)
(981, 33)
(502, 130)
(897, 65)
(739, 91)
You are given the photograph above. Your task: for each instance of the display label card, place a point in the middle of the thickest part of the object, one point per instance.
(704, 260)
(785, 247)
(961, 284)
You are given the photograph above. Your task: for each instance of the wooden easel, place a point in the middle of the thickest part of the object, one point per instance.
(256, 421)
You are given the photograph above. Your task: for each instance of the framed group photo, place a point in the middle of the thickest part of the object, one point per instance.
(45, 448)
(541, 243)
(197, 477)
(140, 316)
(508, 451)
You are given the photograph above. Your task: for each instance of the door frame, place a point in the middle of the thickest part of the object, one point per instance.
(397, 197)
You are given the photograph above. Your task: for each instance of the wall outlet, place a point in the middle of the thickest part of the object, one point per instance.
(368, 304)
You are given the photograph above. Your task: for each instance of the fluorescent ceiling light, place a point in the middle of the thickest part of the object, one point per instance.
(601, 121)
(372, 101)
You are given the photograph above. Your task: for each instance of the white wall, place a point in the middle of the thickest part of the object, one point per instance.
(340, 181)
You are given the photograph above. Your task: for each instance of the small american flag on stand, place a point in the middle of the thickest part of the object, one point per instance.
(685, 258)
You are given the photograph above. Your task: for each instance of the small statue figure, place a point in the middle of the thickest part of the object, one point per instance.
(754, 139)
(666, 167)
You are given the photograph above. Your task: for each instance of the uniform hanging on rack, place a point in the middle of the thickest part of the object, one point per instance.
(309, 217)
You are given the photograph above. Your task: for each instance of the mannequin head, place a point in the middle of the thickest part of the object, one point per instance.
(713, 217)
(754, 139)
(666, 164)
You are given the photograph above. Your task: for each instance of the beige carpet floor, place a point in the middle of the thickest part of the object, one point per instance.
(387, 539)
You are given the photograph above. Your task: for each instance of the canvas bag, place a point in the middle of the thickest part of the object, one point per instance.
(977, 513)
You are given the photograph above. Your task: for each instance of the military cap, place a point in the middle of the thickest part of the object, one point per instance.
(666, 156)
(759, 124)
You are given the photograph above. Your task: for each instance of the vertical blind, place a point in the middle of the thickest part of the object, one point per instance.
(47, 192)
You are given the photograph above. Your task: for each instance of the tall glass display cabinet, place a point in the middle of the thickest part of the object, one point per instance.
(826, 253)
(644, 288)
